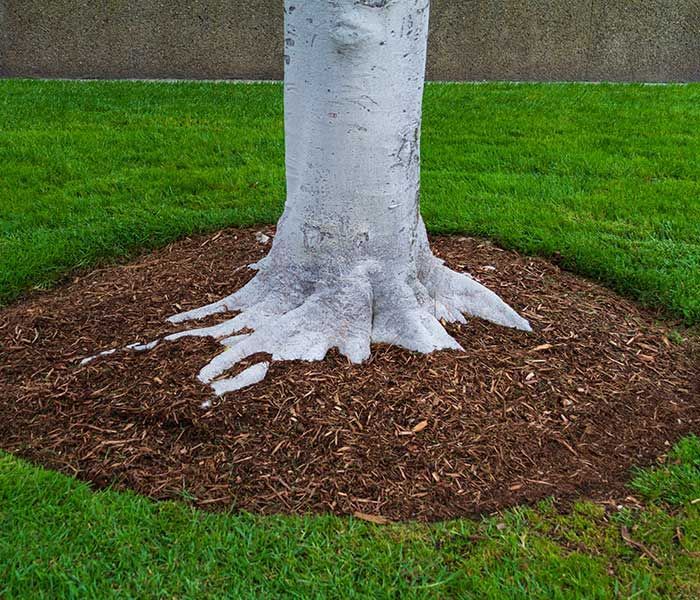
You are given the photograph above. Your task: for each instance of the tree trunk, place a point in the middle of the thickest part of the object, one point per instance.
(350, 263)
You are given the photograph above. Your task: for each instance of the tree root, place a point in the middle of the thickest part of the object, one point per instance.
(349, 314)
(289, 320)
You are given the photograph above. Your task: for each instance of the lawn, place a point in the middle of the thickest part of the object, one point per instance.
(60, 540)
(606, 178)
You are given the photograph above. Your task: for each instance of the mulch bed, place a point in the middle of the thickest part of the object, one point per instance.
(565, 411)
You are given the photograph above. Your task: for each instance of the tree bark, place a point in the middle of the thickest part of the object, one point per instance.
(350, 263)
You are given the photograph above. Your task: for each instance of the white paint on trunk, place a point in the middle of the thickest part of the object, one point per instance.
(143, 347)
(350, 264)
(250, 376)
(89, 359)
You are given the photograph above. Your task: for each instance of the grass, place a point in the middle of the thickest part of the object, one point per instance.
(605, 177)
(59, 539)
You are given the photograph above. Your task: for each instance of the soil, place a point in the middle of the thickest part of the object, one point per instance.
(565, 411)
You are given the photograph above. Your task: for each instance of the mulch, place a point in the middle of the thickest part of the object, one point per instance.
(565, 411)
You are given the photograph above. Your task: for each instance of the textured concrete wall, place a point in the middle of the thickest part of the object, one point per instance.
(617, 40)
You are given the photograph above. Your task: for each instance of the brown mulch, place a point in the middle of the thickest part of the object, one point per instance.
(564, 411)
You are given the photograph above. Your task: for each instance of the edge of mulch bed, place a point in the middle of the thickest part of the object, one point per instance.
(565, 411)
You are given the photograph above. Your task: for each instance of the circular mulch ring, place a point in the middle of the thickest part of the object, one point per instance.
(564, 411)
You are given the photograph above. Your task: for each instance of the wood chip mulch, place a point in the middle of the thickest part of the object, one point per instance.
(565, 411)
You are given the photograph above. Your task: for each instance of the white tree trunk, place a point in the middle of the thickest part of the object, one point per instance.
(350, 263)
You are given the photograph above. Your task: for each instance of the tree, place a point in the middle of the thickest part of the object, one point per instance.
(350, 263)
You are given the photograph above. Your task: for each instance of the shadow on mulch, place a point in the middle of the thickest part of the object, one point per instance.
(564, 411)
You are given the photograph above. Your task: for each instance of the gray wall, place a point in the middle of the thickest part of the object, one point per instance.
(616, 40)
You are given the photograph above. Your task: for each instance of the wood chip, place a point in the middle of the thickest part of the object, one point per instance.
(420, 427)
(376, 519)
(627, 538)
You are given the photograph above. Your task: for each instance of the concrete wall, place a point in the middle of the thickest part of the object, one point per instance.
(616, 40)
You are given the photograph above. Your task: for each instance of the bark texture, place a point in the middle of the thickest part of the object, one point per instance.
(350, 264)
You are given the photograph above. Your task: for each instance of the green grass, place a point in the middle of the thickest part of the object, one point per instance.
(58, 539)
(678, 481)
(606, 176)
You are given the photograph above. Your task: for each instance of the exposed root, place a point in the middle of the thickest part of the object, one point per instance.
(456, 293)
(250, 376)
(289, 320)
(349, 314)
(89, 359)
